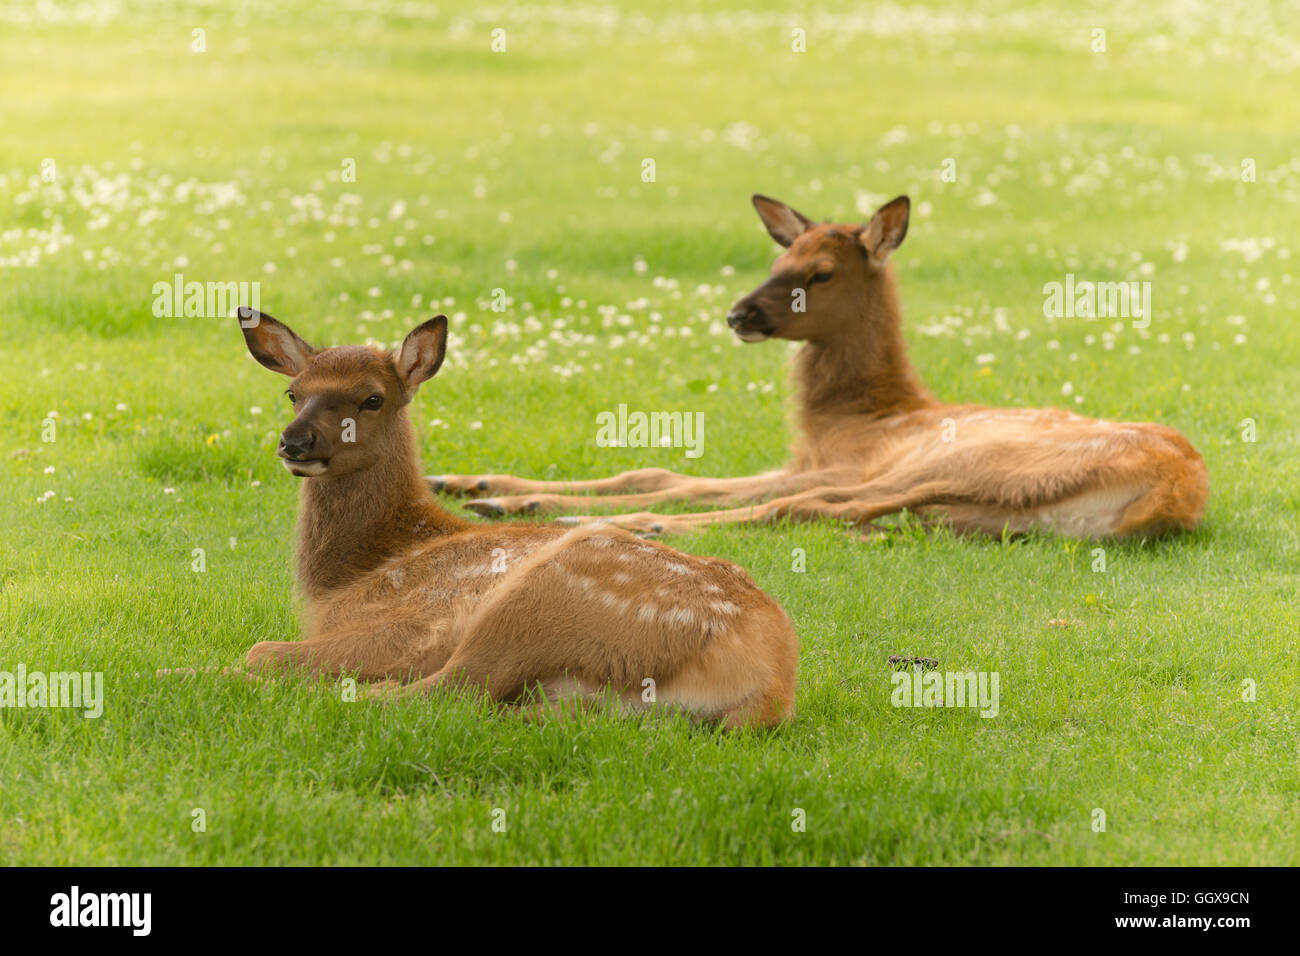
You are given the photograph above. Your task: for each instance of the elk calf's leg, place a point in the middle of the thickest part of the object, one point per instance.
(638, 480)
(714, 491)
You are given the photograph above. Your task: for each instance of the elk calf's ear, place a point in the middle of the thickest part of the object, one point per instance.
(273, 343)
(422, 352)
(887, 228)
(783, 223)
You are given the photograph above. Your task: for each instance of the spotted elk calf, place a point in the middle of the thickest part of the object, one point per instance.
(872, 440)
(398, 589)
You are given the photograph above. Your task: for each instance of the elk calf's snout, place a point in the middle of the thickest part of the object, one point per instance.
(297, 445)
(748, 320)
(738, 314)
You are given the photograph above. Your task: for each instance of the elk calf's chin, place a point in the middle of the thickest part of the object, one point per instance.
(399, 589)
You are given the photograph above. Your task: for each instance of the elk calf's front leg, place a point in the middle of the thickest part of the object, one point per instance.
(637, 481)
(714, 491)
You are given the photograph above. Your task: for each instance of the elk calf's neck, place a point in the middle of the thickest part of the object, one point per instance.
(846, 373)
(351, 523)
(398, 588)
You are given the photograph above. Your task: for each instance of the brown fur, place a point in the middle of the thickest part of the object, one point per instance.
(398, 589)
(871, 440)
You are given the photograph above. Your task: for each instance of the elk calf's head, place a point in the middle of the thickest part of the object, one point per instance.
(827, 274)
(348, 402)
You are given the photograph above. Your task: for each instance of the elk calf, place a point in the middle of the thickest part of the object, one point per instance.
(399, 589)
(872, 440)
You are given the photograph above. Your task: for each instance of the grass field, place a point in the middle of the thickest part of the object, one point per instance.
(372, 164)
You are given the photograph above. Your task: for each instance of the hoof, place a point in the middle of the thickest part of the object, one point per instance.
(488, 507)
(437, 484)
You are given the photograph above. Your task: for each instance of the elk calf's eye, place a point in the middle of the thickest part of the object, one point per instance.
(820, 277)
(373, 402)
(292, 400)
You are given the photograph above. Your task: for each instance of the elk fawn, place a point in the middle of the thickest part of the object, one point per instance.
(873, 441)
(399, 589)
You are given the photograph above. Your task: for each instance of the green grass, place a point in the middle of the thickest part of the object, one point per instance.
(523, 169)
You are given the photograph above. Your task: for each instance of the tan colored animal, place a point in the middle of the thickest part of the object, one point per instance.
(399, 589)
(872, 440)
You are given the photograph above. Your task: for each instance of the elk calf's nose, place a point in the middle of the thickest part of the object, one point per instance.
(296, 446)
(738, 315)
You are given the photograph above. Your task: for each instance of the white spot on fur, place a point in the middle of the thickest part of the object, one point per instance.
(680, 615)
(612, 600)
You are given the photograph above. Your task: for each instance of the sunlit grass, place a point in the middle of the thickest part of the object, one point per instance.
(1122, 690)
